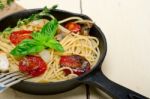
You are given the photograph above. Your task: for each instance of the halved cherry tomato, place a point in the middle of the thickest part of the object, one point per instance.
(17, 36)
(77, 63)
(32, 65)
(74, 27)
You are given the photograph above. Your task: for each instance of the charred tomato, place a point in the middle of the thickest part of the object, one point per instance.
(77, 63)
(32, 65)
(73, 27)
(17, 36)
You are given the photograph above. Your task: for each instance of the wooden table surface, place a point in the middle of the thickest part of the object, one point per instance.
(126, 25)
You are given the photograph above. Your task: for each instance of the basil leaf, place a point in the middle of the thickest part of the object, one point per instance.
(40, 41)
(38, 36)
(50, 28)
(52, 43)
(26, 47)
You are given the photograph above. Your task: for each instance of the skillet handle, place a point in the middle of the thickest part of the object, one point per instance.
(115, 90)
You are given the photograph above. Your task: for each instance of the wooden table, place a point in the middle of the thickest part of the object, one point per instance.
(126, 25)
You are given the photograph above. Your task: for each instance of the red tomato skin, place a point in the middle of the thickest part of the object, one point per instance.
(32, 65)
(73, 27)
(17, 36)
(75, 62)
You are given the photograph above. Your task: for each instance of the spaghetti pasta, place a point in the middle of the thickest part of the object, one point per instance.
(73, 44)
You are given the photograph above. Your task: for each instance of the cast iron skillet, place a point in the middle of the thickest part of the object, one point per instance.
(94, 78)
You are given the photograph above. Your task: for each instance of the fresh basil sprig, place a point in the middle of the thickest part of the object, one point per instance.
(40, 40)
(44, 12)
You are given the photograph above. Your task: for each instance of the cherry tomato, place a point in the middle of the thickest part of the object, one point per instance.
(17, 36)
(77, 63)
(74, 27)
(32, 65)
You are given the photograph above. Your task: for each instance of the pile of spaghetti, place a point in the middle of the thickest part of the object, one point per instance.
(49, 50)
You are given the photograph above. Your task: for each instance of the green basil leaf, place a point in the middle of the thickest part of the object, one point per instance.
(52, 43)
(50, 28)
(41, 37)
(27, 47)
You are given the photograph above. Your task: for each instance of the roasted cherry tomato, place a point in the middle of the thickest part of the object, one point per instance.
(17, 36)
(74, 27)
(32, 65)
(77, 63)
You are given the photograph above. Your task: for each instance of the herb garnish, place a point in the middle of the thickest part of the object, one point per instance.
(44, 12)
(41, 40)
